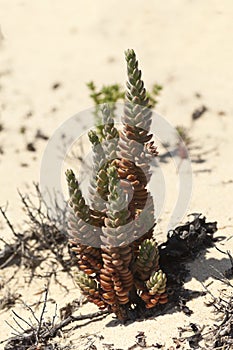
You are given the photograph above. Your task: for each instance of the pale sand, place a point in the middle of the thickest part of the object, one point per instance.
(186, 46)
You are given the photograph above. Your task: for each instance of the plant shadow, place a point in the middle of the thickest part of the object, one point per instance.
(180, 270)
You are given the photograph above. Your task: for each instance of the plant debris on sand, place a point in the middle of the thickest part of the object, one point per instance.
(44, 238)
(221, 334)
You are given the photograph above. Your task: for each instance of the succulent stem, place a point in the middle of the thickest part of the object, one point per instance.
(117, 257)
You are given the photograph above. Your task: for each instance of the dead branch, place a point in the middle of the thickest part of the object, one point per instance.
(42, 315)
(221, 334)
(54, 330)
(8, 222)
(47, 331)
(43, 239)
(42, 331)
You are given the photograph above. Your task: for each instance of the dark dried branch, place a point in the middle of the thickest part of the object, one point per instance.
(8, 222)
(53, 331)
(42, 314)
(47, 331)
(44, 239)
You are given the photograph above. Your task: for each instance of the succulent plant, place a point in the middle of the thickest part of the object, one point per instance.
(111, 94)
(156, 292)
(117, 256)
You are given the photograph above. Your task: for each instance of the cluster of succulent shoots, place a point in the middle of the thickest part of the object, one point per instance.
(112, 236)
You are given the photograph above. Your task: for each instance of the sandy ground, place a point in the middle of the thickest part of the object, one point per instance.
(186, 46)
